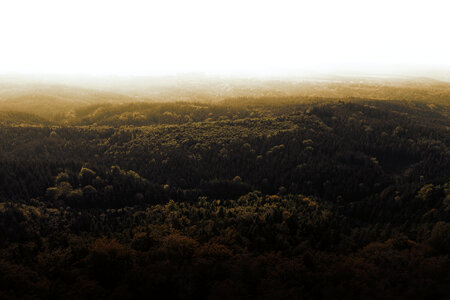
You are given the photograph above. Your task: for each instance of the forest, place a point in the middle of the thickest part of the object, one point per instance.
(249, 197)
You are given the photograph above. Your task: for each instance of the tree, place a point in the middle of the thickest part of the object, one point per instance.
(440, 238)
(86, 176)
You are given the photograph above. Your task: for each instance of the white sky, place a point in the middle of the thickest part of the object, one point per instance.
(232, 36)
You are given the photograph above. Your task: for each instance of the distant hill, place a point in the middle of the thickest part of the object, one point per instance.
(21, 118)
(57, 101)
(49, 100)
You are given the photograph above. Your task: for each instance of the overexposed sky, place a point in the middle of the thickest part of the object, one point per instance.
(124, 37)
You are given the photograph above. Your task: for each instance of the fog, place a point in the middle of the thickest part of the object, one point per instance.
(225, 38)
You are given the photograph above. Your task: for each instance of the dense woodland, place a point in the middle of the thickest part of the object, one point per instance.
(244, 198)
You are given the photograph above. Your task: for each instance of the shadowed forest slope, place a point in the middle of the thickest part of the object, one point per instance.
(274, 197)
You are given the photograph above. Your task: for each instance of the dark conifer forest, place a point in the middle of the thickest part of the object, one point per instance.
(301, 195)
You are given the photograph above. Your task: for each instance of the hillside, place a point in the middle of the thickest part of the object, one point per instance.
(59, 99)
(245, 197)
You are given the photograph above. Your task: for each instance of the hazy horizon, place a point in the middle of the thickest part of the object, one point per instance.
(348, 74)
(233, 38)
